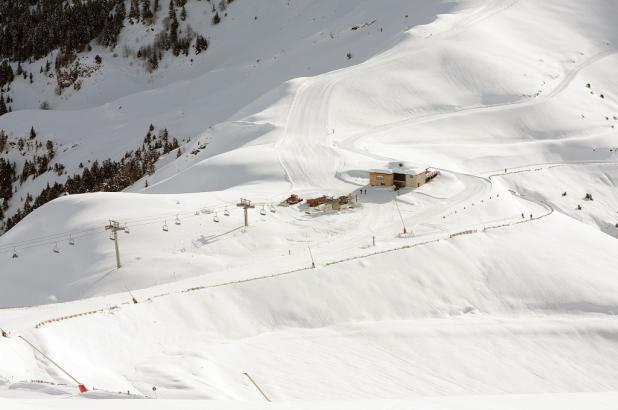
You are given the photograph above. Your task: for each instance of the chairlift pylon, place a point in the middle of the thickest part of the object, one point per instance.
(164, 226)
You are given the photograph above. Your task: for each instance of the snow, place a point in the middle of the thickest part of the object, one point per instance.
(500, 295)
(531, 401)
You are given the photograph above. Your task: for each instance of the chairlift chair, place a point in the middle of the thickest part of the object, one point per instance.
(272, 209)
(226, 212)
(15, 255)
(216, 218)
(55, 249)
(177, 220)
(71, 240)
(164, 226)
(126, 229)
(262, 211)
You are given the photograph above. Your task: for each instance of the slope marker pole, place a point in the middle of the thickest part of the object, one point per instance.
(131, 294)
(82, 388)
(257, 387)
(405, 231)
(311, 256)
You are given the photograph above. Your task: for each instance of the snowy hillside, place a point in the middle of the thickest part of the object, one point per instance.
(496, 279)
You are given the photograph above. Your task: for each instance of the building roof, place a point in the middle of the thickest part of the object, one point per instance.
(399, 168)
(381, 171)
(409, 170)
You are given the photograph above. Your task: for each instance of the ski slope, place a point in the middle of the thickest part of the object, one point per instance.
(502, 293)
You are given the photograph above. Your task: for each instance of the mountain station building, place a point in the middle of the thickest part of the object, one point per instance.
(400, 176)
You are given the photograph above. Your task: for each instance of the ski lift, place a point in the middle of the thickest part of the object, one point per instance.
(55, 249)
(226, 212)
(216, 218)
(272, 209)
(164, 226)
(15, 255)
(71, 240)
(126, 229)
(262, 211)
(177, 220)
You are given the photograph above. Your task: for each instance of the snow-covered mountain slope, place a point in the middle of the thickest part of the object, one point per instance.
(501, 285)
(433, 100)
(507, 402)
(414, 322)
(187, 95)
(566, 187)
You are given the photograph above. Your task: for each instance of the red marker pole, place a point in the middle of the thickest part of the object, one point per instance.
(82, 388)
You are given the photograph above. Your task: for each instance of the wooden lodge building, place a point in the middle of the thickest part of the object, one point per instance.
(400, 176)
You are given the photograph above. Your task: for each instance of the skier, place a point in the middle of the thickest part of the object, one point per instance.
(530, 216)
(522, 215)
(4, 334)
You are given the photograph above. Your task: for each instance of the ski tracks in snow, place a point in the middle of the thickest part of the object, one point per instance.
(354, 141)
(307, 136)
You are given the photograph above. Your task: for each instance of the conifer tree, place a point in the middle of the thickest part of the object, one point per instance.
(6, 73)
(146, 11)
(134, 10)
(154, 61)
(172, 10)
(201, 44)
(174, 31)
(3, 109)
